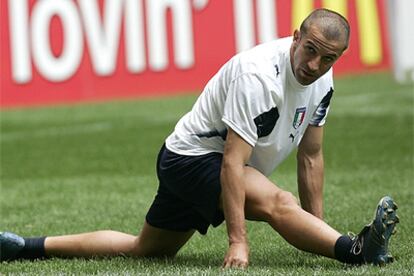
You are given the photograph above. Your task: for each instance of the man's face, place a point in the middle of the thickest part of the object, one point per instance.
(312, 55)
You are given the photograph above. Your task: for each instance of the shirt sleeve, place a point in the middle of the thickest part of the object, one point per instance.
(321, 112)
(249, 108)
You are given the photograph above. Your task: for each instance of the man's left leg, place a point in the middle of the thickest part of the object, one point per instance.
(151, 242)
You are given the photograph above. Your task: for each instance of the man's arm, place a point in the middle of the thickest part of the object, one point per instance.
(311, 170)
(236, 154)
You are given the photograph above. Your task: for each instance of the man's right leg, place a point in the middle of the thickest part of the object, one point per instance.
(266, 202)
(151, 242)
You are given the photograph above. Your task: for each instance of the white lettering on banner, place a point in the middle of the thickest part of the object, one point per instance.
(157, 35)
(103, 41)
(51, 67)
(244, 22)
(30, 36)
(19, 39)
(134, 36)
(200, 4)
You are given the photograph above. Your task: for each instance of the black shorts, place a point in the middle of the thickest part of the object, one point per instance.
(188, 192)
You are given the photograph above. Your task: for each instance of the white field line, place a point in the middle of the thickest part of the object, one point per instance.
(55, 131)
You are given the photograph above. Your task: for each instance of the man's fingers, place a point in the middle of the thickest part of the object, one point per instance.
(239, 264)
(237, 256)
(225, 265)
(235, 263)
(243, 264)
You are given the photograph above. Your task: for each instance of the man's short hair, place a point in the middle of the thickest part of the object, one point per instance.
(333, 25)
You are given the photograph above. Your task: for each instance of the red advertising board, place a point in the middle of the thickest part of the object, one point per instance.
(59, 51)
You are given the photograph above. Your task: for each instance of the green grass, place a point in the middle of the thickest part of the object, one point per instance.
(72, 169)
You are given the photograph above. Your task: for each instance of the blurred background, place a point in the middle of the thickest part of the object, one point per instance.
(91, 88)
(65, 51)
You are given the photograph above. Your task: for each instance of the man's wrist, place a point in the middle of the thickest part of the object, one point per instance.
(238, 241)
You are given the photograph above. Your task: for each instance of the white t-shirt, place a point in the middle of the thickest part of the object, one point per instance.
(256, 95)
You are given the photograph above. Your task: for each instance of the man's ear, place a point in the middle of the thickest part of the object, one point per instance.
(296, 35)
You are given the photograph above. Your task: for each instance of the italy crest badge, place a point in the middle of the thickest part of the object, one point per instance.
(299, 117)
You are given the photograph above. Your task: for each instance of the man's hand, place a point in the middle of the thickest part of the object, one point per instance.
(237, 256)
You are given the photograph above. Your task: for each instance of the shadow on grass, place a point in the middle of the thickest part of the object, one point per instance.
(185, 263)
(272, 261)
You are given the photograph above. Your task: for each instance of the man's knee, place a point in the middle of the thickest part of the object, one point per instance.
(144, 249)
(283, 202)
(156, 242)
